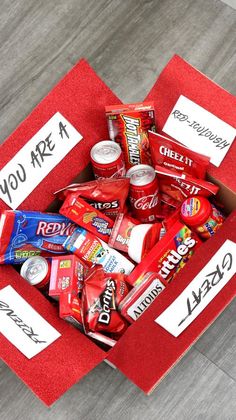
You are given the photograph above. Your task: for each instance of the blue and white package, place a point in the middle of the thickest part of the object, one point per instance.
(24, 234)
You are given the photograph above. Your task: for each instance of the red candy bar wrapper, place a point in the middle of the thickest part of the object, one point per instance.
(174, 156)
(102, 295)
(169, 255)
(67, 273)
(70, 308)
(181, 186)
(128, 125)
(106, 195)
(141, 296)
(86, 216)
(120, 235)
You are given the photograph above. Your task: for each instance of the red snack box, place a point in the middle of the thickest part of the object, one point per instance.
(172, 155)
(169, 255)
(148, 360)
(67, 272)
(141, 296)
(70, 308)
(128, 125)
(181, 186)
(76, 209)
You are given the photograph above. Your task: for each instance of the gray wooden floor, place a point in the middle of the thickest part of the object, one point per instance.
(128, 43)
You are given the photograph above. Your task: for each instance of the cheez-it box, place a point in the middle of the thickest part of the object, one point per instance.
(154, 343)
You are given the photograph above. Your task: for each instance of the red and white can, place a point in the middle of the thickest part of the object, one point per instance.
(36, 271)
(107, 160)
(144, 192)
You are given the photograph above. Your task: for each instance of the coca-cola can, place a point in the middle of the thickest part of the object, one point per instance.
(107, 160)
(36, 271)
(144, 192)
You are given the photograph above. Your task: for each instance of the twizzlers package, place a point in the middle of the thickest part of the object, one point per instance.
(128, 125)
(106, 195)
(172, 155)
(181, 186)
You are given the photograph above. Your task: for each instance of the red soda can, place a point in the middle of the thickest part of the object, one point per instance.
(144, 192)
(36, 271)
(107, 160)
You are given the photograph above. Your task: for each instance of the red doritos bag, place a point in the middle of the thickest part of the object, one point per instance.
(106, 195)
(102, 295)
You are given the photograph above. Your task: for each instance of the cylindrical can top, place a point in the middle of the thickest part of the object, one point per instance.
(141, 174)
(106, 151)
(34, 270)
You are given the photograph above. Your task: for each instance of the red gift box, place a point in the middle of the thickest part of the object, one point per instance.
(146, 352)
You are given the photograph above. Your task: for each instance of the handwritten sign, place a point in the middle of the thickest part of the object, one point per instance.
(200, 292)
(22, 325)
(36, 159)
(200, 130)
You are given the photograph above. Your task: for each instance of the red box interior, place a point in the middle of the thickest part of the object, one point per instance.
(146, 352)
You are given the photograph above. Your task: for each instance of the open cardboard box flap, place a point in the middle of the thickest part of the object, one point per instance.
(146, 352)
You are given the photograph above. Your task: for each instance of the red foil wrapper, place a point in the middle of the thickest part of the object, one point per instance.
(106, 195)
(102, 295)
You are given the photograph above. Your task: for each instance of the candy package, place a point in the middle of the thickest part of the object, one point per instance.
(169, 255)
(24, 234)
(128, 126)
(141, 296)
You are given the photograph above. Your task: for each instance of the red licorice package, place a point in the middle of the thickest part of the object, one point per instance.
(172, 155)
(181, 186)
(86, 216)
(128, 125)
(102, 295)
(106, 195)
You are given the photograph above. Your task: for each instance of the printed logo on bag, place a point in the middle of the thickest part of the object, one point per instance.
(36, 159)
(22, 325)
(200, 292)
(200, 130)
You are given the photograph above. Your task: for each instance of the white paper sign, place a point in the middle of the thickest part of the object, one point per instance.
(200, 130)
(36, 159)
(200, 292)
(22, 325)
